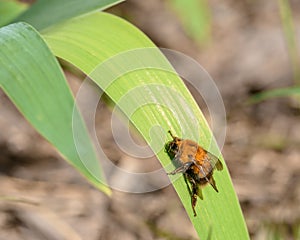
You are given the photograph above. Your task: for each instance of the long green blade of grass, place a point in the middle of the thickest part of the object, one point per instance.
(99, 38)
(290, 36)
(31, 77)
(280, 92)
(45, 13)
(195, 16)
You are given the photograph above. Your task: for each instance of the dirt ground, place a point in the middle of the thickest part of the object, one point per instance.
(247, 54)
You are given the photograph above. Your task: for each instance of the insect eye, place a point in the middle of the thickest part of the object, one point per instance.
(171, 148)
(174, 146)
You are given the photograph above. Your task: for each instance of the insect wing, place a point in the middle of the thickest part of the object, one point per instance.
(214, 161)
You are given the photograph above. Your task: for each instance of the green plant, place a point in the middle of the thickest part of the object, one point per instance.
(32, 78)
(195, 16)
(291, 42)
(290, 36)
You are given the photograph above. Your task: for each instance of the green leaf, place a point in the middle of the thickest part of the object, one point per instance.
(195, 16)
(45, 13)
(9, 9)
(32, 78)
(280, 92)
(137, 77)
(291, 37)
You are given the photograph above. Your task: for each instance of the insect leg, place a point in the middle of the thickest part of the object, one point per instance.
(213, 183)
(186, 179)
(182, 169)
(195, 190)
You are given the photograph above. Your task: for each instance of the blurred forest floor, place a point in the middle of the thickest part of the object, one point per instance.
(47, 199)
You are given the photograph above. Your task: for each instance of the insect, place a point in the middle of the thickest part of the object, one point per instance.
(196, 164)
